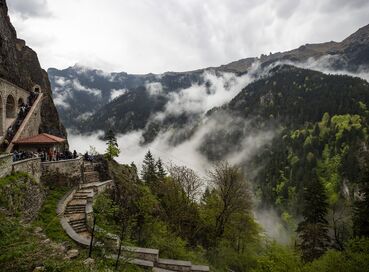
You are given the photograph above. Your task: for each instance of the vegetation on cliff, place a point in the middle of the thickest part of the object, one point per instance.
(27, 242)
(217, 227)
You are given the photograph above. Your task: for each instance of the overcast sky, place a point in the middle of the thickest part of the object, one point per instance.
(141, 36)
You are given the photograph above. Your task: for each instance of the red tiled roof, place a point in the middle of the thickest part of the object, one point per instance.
(43, 138)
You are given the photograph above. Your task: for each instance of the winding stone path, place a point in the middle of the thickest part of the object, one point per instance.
(75, 207)
(75, 210)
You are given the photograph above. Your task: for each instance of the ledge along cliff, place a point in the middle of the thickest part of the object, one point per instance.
(19, 65)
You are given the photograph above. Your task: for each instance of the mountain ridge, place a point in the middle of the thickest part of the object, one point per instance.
(82, 109)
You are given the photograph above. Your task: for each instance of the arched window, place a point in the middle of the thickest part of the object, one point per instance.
(20, 102)
(10, 107)
(36, 89)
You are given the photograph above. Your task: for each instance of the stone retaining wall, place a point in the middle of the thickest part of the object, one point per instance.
(5, 165)
(62, 173)
(29, 166)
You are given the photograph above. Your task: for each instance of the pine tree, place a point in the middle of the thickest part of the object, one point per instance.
(133, 165)
(160, 169)
(148, 173)
(112, 149)
(313, 230)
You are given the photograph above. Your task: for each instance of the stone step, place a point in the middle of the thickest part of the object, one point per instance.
(80, 225)
(85, 192)
(69, 213)
(79, 197)
(76, 201)
(75, 209)
(80, 229)
(77, 221)
(82, 192)
(76, 206)
(69, 208)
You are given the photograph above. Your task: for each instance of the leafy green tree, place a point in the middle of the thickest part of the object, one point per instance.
(232, 193)
(355, 258)
(180, 213)
(278, 258)
(313, 230)
(112, 150)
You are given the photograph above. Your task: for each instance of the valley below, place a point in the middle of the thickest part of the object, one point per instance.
(258, 165)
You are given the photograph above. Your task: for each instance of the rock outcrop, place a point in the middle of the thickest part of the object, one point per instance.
(19, 64)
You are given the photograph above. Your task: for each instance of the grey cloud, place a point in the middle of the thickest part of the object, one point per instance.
(30, 8)
(286, 8)
(333, 5)
(182, 35)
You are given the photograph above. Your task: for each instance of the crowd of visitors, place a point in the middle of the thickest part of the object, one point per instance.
(23, 111)
(88, 157)
(45, 155)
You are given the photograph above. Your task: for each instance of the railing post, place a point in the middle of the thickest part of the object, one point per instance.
(92, 238)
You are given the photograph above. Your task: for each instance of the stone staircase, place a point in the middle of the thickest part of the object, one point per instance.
(76, 211)
(90, 175)
(79, 205)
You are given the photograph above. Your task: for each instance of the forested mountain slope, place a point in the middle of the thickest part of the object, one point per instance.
(320, 125)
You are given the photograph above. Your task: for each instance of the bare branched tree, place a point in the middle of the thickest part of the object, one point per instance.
(191, 183)
(232, 189)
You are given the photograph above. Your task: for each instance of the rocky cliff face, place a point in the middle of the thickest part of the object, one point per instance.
(19, 64)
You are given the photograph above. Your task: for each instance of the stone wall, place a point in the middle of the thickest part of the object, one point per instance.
(62, 173)
(30, 166)
(5, 165)
(23, 197)
(9, 91)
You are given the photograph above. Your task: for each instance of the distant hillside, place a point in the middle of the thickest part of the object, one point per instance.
(83, 95)
(288, 98)
(79, 92)
(319, 127)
